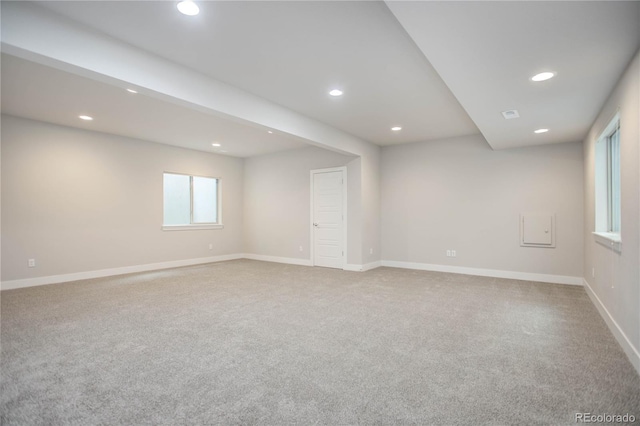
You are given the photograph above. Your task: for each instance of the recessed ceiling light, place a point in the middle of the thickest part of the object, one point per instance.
(215, 144)
(85, 117)
(543, 76)
(132, 91)
(541, 131)
(335, 92)
(269, 131)
(396, 128)
(512, 113)
(188, 7)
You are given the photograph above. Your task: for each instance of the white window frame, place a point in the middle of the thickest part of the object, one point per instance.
(607, 223)
(195, 226)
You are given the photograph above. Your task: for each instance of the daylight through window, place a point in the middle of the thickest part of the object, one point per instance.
(191, 200)
(608, 199)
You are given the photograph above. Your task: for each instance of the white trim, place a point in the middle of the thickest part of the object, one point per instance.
(524, 216)
(276, 259)
(632, 352)
(55, 279)
(609, 239)
(371, 265)
(342, 169)
(352, 267)
(603, 162)
(526, 276)
(362, 268)
(612, 125)
(191, 227)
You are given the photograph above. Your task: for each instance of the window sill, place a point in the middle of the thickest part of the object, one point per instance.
(609, 239)
(191, 227)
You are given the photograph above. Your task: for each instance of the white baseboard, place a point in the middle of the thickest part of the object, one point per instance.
(632, 352)
(289, 260)
(526, 276)
(371, 265)
(55, 279)
(362, 268)
(352, 267)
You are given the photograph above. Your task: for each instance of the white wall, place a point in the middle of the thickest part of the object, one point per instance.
(616, 283)
(370, 203)
(354, 212)
(277, 200)
(64, 205)
(72, 48)
(459, 194)
(79, 201)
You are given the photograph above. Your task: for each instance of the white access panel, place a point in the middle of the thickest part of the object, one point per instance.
(537, 230)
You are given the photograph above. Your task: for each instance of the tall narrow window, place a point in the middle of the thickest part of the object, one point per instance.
(613, 180)
(190, 201)
(607, 182)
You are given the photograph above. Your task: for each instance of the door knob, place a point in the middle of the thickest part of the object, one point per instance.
(315, 224)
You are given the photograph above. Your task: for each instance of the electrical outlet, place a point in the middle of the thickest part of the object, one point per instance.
(300, 249)
(210, 246)
(370, 251)
(32, 263)
(448, 253)
(453, 253)
(593, 272)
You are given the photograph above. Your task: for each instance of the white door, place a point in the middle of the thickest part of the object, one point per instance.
(328, 219)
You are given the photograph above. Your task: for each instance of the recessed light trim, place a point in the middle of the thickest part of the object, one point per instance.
(215, 144)
(132, 91)
(543, 76)
(396, 128)
(512, 113)
(541, 131)
(188, 7)
(85, 117)
(336, 92)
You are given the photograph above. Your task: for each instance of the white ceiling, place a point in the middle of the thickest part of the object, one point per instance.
(293, 53)
(486, 52)
(439, 69)
(42, 93)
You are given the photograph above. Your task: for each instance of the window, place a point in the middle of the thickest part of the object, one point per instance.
(191, 202)
(613, 180)
(608, 201)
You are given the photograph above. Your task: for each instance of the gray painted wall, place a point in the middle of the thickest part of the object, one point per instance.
(277, 201)
(459, 194)
(80, 201)
(64, 206)
(371, 226)
(617, 275)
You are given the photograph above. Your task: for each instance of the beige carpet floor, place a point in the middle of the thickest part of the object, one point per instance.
(248, 342)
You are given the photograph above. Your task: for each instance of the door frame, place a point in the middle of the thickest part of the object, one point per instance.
(342, 169)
